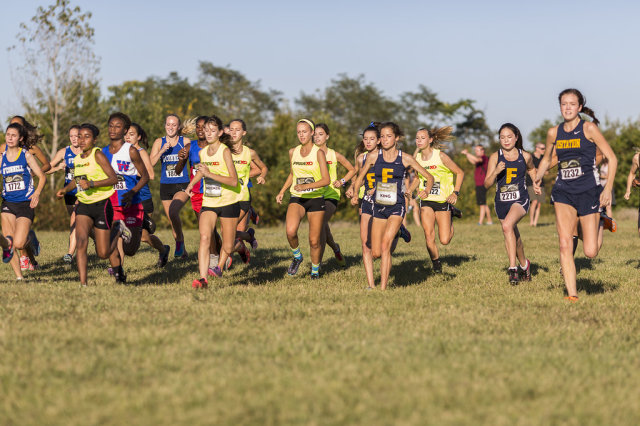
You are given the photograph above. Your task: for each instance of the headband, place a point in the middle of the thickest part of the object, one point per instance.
(309, 122)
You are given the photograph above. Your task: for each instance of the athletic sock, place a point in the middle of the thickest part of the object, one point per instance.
(575, 245)
(315, 269)
(525, 264)
(297, 254)
(179, 245)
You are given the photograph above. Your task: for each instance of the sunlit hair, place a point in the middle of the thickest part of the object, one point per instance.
(582, 101)
(308, 122)
(372, 127)
(515, 131)
(440, 135)
(179, 133)
(144, 140)
(189, 126)
(73, 126)
(32, 136)
(225, 138)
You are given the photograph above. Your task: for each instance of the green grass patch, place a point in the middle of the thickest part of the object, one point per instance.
(464, 347)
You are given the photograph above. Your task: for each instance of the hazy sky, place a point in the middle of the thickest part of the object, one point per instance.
(511, 57)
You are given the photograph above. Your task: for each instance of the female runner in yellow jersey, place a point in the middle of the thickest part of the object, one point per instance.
(437, 204)
(309, 169)
(94, 178)
(332, 191)
(220, 193)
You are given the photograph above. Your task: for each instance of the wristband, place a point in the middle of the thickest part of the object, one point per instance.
(457, 193)
(343, 181)
(90, 184)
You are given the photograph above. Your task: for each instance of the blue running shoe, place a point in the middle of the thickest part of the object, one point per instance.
(405, 234)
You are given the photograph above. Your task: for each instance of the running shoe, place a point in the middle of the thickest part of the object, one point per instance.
(315, 276)
(228, 263)
(295, 264)
(513, 276)
(608, 222)
(436, 266)
(571, 298)
(340, 258)
(253, 215)
(405, 234)
(110, 271)
(121, 278)
(182, 253)
(67, 258)
(216, 272)
(148, 224)
(455, 212)
(253, 242)
(524, 274)
(7, 254)
(125, 232)
(164, 257)
(33, 266)
(35, 244)
(244, 254)
(201, 283)
(24, 263)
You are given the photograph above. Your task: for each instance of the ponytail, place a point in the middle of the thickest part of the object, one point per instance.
(582, 101)
(440, 135)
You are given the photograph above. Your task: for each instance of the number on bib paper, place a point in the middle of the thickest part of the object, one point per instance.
(212, 188)
(14, 186)
(386, 193)
(78, 179)
(570, 169)
(120, 185)
(170, 171)
(303, 181)
(69, 176)
(509, 193)
(435, 189)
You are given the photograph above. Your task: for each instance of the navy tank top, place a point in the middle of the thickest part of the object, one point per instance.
(388, 180)
(511, 184)
(169, 160)
(68, 168)
(577, 170)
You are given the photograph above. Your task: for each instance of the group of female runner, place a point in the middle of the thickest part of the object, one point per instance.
(108, 199)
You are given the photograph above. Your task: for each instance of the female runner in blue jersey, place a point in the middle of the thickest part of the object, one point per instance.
(172, 184)
(389, 166)
(508, 167)
(19, 194)
(63, 160)
(577, 196)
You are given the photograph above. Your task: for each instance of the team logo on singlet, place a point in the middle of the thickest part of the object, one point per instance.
(303, 163)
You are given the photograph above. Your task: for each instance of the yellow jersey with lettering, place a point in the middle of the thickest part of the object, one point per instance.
(89, 169)
(242, 162)
(214, 193)
(442, 178)
(331, 192)
(306, 170)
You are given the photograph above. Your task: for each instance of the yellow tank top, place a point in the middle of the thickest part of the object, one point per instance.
(242, 162)
(332, 164)
(88, 169)
(442, 177)
(306, 170)
(216, 194)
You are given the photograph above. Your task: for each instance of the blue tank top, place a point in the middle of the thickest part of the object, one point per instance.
(68, 168)
(389, 180)
(17, 183)
(194, 160)
(511, 184)
(145, 192)
(126, 173)
(169, 160)
(577, 171)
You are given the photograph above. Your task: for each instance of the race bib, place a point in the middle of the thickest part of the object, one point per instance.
(78, 179)
(570, 170)
(194, 170)
(509, 193)
(69, 176)
(305, 180)
(386, 193)
(120, 185)
(170, 171)
(212, 188)
(435, 189)
(13, 183)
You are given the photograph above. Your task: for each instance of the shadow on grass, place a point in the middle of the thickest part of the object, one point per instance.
(586, 263)
(264, 267)
(594, 287)
(536, 268)
(634, 262)
(172, 273)
(407, 273)
(457, 259)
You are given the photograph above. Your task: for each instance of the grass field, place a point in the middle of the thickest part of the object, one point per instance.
(463, 347)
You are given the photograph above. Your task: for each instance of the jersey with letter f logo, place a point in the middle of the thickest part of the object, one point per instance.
(512, 173)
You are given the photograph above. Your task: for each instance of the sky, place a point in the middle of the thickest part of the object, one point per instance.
(512, 57)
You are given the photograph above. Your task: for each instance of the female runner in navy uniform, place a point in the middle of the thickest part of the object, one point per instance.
(577, 195)
(172, 183)
(508, 167)
(389, 166)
